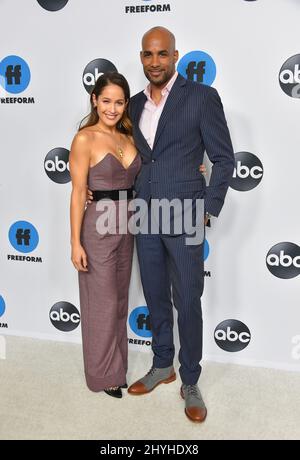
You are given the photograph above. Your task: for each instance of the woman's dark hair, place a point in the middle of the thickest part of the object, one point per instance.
(109, 78)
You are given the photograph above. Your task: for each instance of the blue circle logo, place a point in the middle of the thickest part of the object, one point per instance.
(14, 74)
(139, 321)
(23, 236)
(2, 306)
(206, 250)
(198, 66)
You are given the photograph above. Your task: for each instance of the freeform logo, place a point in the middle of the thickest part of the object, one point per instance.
(23, 236)
(94, 70)
(148, 8)
(53, 5)
(139, 321)
(56, 165)
(283, 260)
(296, 348)
(64, 316)
(2, 311)
(2, 306)
(15, 78)
(15, 74)
(206, 250)
(232, 335)
(198, 66)
(289, 76)
(248, 172)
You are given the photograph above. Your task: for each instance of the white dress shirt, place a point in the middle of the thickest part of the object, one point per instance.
(152, 112)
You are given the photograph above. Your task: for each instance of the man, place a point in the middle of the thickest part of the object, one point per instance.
(174, 122)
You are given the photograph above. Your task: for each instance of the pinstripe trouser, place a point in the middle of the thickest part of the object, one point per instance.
(166, 261)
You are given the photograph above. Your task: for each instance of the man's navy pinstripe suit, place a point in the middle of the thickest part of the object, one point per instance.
(191, 123)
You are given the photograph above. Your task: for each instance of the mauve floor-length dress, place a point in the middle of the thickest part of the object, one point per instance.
(104, 288)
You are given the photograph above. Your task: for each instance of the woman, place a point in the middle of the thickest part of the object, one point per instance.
(103, 156)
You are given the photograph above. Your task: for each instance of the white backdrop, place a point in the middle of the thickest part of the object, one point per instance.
(249, 42)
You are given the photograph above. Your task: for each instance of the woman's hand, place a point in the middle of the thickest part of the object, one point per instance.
(79, 258)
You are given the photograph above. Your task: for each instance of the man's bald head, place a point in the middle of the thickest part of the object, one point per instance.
(159, 55)
(160, 31)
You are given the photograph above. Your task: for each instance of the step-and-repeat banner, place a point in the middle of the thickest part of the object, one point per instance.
(51, 53)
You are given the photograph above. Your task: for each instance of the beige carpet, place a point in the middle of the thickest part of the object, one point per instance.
(43, 396)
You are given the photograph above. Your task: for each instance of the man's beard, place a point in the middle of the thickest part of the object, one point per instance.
(166, 76)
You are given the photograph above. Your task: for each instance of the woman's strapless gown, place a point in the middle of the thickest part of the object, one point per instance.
(104, 288)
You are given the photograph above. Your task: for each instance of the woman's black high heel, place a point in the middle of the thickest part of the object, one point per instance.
(114, 392)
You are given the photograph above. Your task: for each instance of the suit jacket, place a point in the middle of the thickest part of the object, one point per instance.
(191, 123)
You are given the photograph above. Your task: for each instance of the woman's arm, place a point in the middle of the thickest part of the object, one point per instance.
(79, 167)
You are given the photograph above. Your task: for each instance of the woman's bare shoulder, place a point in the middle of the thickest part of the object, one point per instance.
(85, 135)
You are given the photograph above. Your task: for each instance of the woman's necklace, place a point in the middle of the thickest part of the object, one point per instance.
(120, 151)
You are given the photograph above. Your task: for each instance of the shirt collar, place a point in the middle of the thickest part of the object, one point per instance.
(165, 90)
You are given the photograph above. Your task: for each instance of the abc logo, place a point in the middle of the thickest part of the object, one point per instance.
(283, 260)
(289, 76)
(139, 321)
(232, 335)
(53, 5)
(64, 316)
(198, 66)
(248, 172)
(57, 165)
(94, 70)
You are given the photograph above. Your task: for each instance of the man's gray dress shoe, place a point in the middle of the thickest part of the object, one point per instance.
(152, 379)
(195, 408)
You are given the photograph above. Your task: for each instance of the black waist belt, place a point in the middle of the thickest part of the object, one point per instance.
(114, 195)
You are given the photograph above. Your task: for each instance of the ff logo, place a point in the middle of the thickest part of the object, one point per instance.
(2, 306)
(94, 70)
(64, 316)
(53, 5)
(289, 76)
(283, 260)
(198, 66)
(56, 165)
(206, 250)
(139, 321)
(14, 74)
(23, 236)
(248, 172)
(232, 335)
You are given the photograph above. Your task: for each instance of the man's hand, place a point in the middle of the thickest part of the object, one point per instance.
(202, 169)
(207, 220)
(89, 196)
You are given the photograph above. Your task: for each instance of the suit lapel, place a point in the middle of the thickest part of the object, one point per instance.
(175, 96)
(139, 137)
